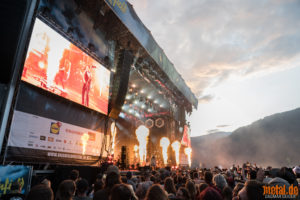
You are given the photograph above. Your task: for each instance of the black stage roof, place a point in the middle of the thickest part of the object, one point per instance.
(125, 12)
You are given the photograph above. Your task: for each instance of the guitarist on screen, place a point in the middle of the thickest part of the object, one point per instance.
(87, 79)
(63, 73)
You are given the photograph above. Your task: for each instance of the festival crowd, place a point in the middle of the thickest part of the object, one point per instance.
(247, 182)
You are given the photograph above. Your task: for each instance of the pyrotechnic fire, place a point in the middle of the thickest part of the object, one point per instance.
(142, 133)
(53, 62)
(188, 152)
(176, 147)
(164, 143)
(84, 139)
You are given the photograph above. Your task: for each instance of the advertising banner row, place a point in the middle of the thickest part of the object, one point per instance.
(46, 139)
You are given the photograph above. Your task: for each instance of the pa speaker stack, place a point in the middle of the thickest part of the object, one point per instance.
(120, 83)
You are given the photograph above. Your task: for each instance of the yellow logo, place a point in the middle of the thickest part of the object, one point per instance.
(55, 127)
(121, 5)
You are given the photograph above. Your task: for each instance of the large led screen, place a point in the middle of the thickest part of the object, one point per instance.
(58, 66)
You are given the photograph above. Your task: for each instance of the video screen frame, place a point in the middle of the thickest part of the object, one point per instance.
(59, 66)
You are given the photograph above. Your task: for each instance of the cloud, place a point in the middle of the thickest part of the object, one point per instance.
(213, 131)
(222, 126)
(210, 40)
(205, 99)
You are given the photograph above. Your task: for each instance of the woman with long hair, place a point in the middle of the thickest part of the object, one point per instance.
(190, 186)
(170, 187)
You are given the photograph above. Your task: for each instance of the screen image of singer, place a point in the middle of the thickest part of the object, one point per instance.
(58, 66)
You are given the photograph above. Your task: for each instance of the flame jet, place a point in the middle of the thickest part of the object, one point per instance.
(176, 147)
(142, 133)
(188, 152)
(164, 143)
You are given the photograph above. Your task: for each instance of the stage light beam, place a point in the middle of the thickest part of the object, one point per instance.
(113, 136)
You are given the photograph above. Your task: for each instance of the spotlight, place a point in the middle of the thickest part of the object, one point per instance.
(133, 85)
(149, 96)
(143, 106)
(135, 102)
(128, 96)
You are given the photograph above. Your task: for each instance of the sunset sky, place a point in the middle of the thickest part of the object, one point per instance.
(240, 58)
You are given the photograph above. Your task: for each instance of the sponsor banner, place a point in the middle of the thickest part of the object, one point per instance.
(58, 66)
(55, 138)
(11, 174)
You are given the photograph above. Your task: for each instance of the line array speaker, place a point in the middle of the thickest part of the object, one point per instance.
(120, 83)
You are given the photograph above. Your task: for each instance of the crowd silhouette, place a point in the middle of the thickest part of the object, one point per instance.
(247, 182)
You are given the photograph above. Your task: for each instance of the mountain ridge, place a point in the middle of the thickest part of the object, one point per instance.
(272, 140)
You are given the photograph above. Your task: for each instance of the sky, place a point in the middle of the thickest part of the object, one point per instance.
(240, 58)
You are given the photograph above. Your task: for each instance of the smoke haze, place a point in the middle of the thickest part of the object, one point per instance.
(272, 141)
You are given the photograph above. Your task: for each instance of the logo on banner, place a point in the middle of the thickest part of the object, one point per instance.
(92, 136)
(55, 127)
